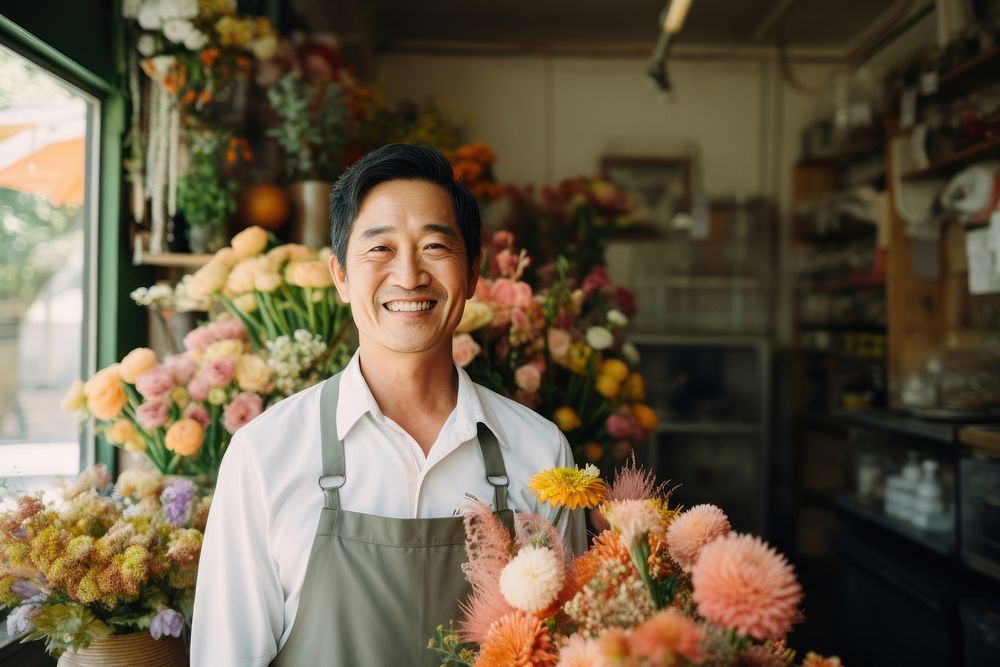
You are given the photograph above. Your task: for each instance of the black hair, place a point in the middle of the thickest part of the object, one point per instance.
(406, 162)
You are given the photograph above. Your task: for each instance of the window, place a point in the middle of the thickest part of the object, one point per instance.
(47, 232)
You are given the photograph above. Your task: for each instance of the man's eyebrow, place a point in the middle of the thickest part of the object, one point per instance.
(441, 229)
(375, 231)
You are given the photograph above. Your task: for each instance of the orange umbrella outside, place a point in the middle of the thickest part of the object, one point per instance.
(55, 171)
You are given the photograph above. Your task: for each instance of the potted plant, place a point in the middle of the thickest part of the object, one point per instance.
(206, 195)
(312, 132)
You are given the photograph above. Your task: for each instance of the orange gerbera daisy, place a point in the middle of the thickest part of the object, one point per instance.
(515, 640)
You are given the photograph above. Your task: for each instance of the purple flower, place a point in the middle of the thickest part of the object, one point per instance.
(151, 415)
(167, 622)
(20, 619)
(244, 408)
(155, 382)
(25, 588)
(176, 500)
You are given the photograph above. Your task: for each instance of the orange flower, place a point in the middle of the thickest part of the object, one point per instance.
(517, 639)
(593, 451)
(566, 418)
(665, 635)
(189, 97)
(692, 530)
(644, 416)
(816, 660)
(105, 393)
(741, 582)
(209, 56)
(185, 437)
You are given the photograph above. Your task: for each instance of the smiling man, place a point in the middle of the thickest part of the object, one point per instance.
(335, 536)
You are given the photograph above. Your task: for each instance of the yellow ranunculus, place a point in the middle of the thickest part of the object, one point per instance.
(300, 253)
(250, 242)
(635, 388)
(240, 279)
(246, 302)
(209, 279)
(616, 368)
(135, 363)
(476, 316)
(217, 396)
(578, 356)
(180, 397)
(266, 282)
(607, 386)
(253, 373)
(120, 432)
(74, 399)
(230, 348)
(566, 419)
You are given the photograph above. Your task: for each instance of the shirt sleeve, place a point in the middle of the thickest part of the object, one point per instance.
(572, 526)
(239, 603)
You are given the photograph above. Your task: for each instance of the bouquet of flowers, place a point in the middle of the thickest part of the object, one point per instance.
(573, 218)
(660, 587)
(105, 561)
(560, 350)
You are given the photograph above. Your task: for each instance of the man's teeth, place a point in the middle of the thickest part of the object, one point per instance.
(409, 306)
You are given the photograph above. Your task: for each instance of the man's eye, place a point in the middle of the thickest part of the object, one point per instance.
(380, 248)
(436, 246)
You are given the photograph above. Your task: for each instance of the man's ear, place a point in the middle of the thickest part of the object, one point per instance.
(474, 275)
(339, 279)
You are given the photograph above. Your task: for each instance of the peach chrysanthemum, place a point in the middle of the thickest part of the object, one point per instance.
(608, 547)
(665, 634)
(816, 660)
(582, 652)
(634, 519)
(515, 640)
(533, 579)
(740, 582)
(571, 488)
(692, 530)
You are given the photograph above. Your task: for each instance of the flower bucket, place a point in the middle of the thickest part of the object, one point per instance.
(310, 213)
(128, 650)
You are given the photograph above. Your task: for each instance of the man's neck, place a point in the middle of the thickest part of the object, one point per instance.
(417, 391)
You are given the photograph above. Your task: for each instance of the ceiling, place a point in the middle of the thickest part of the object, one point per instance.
(595, 25)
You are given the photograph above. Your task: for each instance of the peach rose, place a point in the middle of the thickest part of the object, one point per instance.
(105, 393)
(300, 253)
(210, 278)
(559, 341)
(528, 378)
(250, 242)
(315, 274)
(240, 279)
(120, 432)
(135, 363)
(265, 281)
(185, 437)
(510, 294)
(464, 349)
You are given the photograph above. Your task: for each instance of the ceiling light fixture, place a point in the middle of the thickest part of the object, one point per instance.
(672, 20)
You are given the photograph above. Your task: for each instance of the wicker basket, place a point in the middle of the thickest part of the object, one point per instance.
(128, 651)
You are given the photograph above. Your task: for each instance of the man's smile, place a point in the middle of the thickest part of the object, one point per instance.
(409, 306)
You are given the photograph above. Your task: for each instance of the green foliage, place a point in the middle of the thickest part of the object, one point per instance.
(205, 195)
(453, 653)
(35, 240)
(67, 625)
(312, 133)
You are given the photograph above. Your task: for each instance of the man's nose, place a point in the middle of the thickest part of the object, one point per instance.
(409, 271)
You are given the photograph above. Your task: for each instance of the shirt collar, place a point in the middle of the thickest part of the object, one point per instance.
(356, 401)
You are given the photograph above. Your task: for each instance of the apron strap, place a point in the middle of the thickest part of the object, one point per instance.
(334, 468)
(496, 472)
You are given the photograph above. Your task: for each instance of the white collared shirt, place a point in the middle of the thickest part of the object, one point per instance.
(267, 502)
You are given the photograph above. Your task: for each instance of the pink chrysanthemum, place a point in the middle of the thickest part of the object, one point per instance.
(634, 483)
(692, 530)
(667, 634)
(740, 582)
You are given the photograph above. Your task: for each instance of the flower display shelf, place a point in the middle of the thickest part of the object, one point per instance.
(183, 260)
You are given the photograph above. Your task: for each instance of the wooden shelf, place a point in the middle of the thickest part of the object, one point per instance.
(969, 75)
(182, 260)
(956, 161)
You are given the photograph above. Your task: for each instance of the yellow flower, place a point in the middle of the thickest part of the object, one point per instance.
(230, 348)
(240, 279)
(579, 355)
(180, 397)
(566, 418)
(120, 432)
(217, 396)
(74, 398)
(250, 242)
(246, 302)
(571, 488)
(635, 388)
(135, 363)
(607, 386)
(315, 274)
(615, 368)
(252, 373)
(476, 316)
(265, 281)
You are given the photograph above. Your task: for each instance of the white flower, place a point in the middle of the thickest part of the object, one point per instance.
(265, 47)
(634, 519)
(617, 317)
(592, 471)
(195, 40)
(599, 338)
(177, 30)
(631, 354)
(178, 9)
(149, 16)
(532, 580)
(146, 45)
(130, 8)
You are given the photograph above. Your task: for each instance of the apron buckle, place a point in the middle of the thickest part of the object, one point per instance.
(327, 482)
(498, 480)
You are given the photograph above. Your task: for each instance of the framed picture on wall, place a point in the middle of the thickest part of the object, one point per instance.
(660, 186)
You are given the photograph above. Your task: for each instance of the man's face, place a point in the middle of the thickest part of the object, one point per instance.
(407, 272)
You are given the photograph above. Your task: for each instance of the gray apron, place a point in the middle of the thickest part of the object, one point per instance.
(377, 587)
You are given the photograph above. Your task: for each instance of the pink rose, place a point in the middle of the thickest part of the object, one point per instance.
(506, 293)
(218, 372)
(243, 408)
(507, 262)
(151, 415)
(528, 378)
(155, 382)
(229, 328)
(619, 427)
(197, 340)
(558, 341)
(198, 389)
(464, 349)
(182, 367)
(197, 413)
